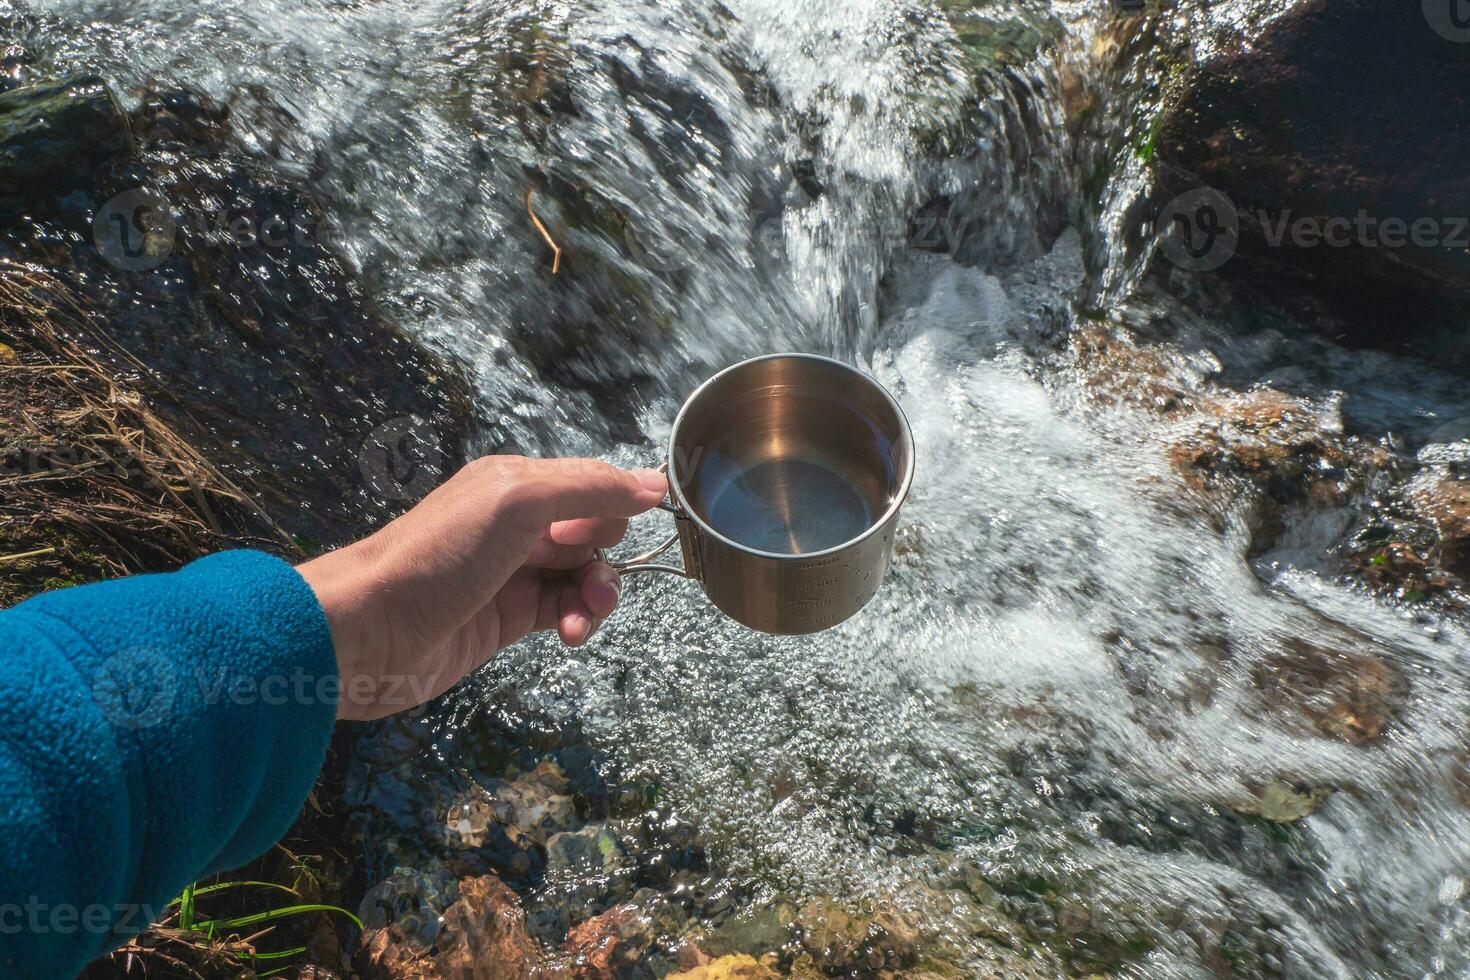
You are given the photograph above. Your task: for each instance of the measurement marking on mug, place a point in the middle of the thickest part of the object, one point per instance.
(809, 603)
(816, 585)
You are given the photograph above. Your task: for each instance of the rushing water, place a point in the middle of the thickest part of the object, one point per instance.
(1060, 680)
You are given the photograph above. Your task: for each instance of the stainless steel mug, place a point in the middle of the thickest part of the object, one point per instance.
(786, 475)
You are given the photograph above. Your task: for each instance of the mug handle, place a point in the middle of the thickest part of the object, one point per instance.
(645, 562)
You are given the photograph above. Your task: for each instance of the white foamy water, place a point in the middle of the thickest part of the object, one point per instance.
(1062, 679)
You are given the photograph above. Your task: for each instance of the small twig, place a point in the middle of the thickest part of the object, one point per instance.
(28, 554)
(555, 248)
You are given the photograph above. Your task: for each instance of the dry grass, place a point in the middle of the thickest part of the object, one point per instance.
(93, 484)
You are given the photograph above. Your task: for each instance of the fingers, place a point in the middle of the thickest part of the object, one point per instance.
(556, 490)
(599, 532)
(575, 624)
(583, 602)
(549, 554)
(601, 587)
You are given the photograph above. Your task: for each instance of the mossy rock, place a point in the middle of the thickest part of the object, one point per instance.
(989, 42)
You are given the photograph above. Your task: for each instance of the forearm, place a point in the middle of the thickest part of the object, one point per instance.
(152, 730)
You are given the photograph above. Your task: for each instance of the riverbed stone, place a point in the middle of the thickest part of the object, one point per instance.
(1345, 693)
(592, 850)
(610, 944)
(482, 937)
(737, 966)
(1281, 802)
(847, 941)
(1445, 502)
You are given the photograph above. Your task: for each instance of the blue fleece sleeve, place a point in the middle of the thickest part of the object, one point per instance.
(153, 730)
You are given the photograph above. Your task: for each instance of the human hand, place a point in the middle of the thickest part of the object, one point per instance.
(504, 548)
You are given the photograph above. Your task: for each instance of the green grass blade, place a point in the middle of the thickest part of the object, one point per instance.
(283, 954)
(240, 884)
(186, 908)
(260, 918)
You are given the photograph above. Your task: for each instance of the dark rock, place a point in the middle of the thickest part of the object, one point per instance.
(54, 135)
(222, 281)
(591, 851)
(1339, 108)
(411, 901)
(805, 172)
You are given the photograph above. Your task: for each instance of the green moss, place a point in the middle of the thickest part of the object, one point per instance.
(1237, 954)
(990, 43)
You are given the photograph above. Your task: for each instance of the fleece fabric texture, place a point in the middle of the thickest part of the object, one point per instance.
(153, 730)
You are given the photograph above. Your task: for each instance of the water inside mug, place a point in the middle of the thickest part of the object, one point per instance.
(792, 470)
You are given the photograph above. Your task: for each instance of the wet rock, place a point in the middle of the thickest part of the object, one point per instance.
(1346, 694)
(387, 955)
(411, 901)
(752, 931)
(736, 967)
(528, 810)
(507, 822)
(16, 60)
(585, 873)
(843, 941)
(483, 937)
(1270, 451)
(178, 116)
(222, 281)
(939, 226)
(593, 850)
(315, 972)
(1282, 803)
(689, 956)
(991, 40)
(52, 137)
(541, 803)
(610, 944)
(1336, 109)
(1120, 371)
(805, 172)
(1445, 503)
(1400, 568)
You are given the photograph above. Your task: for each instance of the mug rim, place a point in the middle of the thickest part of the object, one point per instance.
(899, 496)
